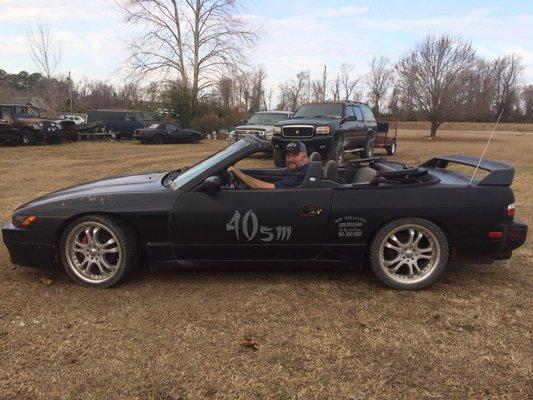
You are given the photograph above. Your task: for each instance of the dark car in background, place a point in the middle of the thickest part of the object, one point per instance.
(329, 128)
(165, 132)
(122, 123)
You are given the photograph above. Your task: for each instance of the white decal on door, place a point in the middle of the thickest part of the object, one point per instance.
(246, 226)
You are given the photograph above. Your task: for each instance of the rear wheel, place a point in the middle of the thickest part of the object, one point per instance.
(279, 158)
(391, 150)
(157, 139)
(98, 251)
(368, 150)
(409, 254)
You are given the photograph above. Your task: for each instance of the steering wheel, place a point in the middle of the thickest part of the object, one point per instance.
(234, 182)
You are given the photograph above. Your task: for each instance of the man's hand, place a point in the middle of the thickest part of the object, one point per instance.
(250, 181)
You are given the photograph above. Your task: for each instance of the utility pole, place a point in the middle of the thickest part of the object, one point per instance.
(70, 92)
(324, 78)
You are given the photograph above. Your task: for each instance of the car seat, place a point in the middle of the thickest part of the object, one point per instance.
(365, 175)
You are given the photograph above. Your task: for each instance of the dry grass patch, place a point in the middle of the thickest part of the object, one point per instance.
(322, 333)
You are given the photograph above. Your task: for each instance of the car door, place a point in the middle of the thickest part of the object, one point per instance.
(250, 224)
(359, 137)
(349, 127)
(171, 131)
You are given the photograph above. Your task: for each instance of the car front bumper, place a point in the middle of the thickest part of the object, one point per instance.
(24, 250)
(316, 143)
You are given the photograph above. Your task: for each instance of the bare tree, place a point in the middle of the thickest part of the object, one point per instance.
(433, 75)
(335, 88)
(507, 71)
(527, 98)
(347, 83)
(46, 54)
(379, 81)
(194, 41)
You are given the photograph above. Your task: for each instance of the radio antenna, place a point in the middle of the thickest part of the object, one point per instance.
(486, 147)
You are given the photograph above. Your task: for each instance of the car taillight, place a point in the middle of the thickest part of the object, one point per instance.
(510, 210)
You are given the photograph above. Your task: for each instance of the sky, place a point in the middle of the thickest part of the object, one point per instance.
(296, 34)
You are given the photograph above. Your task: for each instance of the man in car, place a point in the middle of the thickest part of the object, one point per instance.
(297, 162)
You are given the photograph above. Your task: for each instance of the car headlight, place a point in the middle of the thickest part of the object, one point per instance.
(23, 221)
(277, 130)
(323, 130)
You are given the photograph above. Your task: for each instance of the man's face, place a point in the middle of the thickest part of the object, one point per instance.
(295, 161)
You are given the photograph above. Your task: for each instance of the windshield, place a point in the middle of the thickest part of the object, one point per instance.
(153, 126)
(330, 110)
(266, 118)
(204, 165)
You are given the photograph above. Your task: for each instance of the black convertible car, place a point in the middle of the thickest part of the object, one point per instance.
(405, 222)
(166, 133)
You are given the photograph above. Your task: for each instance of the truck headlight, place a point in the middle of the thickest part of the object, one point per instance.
(277, 130)
(323, 130)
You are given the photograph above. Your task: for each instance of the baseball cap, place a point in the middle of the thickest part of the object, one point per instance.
(295, 147)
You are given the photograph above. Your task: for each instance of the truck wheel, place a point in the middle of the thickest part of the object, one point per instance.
(409, 254)
(336, 152)
(98, 251)
(391, 150)
(368, 150)
(279, 158)
(28, 137)
(157, 139)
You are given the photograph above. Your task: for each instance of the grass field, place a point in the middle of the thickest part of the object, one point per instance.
(322, 333)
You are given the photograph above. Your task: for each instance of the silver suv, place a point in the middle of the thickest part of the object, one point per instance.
(260, 124)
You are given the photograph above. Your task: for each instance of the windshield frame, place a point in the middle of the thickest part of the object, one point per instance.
(208, 165)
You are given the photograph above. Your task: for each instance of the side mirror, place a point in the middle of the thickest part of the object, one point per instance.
(212, 185)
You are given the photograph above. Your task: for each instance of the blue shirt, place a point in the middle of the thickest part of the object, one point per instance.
(293, 178)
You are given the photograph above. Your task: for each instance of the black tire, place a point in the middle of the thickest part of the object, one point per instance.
(125, 241)
(396, 268)
(28, 137)
(391, 150)
(157, 139)
(368, 150)
(336, 152)
(279, 158)
(195, 139)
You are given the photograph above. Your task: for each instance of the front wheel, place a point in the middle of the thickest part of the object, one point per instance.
(279, 158)
(98, 251)
(28, 137)
(157, 139)
(337, 152)
(409, 254)
(195, 139)
(368, 150)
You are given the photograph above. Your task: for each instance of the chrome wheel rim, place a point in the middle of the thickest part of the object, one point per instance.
(409, 253)
(393, 148)
(93, 252)
(25, 139)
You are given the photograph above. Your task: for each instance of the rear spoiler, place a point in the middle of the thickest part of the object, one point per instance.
(500, 174)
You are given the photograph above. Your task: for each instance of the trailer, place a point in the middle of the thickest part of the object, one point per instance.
(386, 136)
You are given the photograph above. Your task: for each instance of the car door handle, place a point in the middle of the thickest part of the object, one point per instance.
(310, 211)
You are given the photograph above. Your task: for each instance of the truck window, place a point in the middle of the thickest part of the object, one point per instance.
(369, 115)
(350, 112)
(5, 114)
(358, 113)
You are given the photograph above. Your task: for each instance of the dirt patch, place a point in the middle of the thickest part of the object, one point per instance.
(322, 333)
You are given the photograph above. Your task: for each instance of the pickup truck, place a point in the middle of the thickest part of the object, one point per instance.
(332, 129)
(22, 125)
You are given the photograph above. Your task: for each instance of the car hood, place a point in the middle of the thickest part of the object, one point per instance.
(310, 121)
(137, 182)
(254, 128)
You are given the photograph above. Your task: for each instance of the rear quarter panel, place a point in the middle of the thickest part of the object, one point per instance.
(465, 214)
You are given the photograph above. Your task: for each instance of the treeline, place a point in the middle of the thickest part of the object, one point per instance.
(440, 79)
